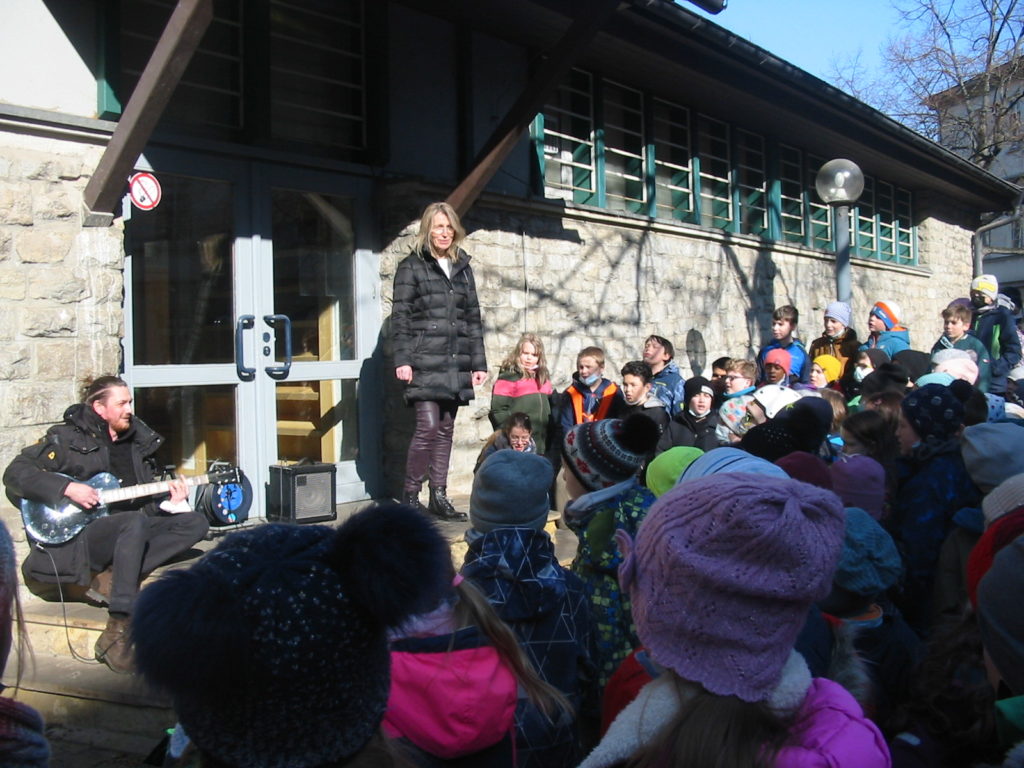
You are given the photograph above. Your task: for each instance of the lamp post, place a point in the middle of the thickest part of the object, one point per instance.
(839, 184)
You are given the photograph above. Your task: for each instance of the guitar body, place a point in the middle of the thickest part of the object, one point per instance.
(59, 525)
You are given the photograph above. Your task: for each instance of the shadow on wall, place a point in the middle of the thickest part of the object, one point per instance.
(601, 294)
(759, 289)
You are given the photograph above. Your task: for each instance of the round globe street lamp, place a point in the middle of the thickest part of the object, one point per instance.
(839, 183)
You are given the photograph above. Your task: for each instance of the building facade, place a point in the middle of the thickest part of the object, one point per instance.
(662, 183)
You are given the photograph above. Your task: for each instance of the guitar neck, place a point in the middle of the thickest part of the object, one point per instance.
(114, 495)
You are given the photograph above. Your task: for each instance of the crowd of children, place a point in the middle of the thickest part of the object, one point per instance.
(809, 557)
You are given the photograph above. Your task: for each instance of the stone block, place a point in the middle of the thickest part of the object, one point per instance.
(43, 245)
(56, 284)
(33, 404)
(56, 359)
(15, 362)
(46, 322)
(12, 282)
(6, 241)
(15, 204)
(54, 202)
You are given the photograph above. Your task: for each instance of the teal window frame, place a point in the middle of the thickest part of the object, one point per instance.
(701, 170)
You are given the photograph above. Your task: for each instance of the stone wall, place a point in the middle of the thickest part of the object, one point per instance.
(61, 288)
(581, 277)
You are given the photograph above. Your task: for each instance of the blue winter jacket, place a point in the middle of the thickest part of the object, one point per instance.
(933, 486)
(890, 342)
(995, 328)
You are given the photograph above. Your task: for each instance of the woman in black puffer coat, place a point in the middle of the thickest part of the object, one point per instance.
(438, 344)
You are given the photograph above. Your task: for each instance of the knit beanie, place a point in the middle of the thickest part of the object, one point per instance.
(830, 365)
(273, 646)
(781, 358)
(606, 452)
(962, 368)
(860, 482)
(915, 362)
(996, 407)
(935, 412)
(1001, 532)
(887, 377)
(723, 572)
(802, 426)
(945, 379)
(870, 562)
(840, 310)
(664, 471)
(728, 460)
(806, 467)
(993, 453)
(695, 386)
(876, 356)
(889, 312)
(732, 416)
(1000, 616)
(1006, 496)
(774, 397)
(510, 490)
(986, 284)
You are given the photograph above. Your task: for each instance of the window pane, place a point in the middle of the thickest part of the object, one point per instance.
(317, 420)
(716, 197)
(181, 256)
(198, 424)
(313, 241)
(752, 182)
(623, 148)
(791, 176)
(672, 164)
(210, 92)
(569, 141)
(317, 72)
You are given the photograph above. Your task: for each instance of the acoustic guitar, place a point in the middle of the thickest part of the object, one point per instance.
(58, 525)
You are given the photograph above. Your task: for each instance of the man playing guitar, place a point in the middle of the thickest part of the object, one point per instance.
(102, 435)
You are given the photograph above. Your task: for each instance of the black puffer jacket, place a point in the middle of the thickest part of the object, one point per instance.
(79, 448)
(436, 329)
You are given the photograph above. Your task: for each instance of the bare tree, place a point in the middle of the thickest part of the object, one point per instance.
(954, 72)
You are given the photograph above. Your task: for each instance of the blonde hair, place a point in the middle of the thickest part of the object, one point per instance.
(511, 361)
(595, 352)
(426, 223)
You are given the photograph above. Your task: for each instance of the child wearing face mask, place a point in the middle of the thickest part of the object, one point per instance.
(993, 325)
(838, 339)
(590, 396)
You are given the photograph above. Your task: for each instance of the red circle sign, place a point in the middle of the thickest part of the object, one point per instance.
(144, 191)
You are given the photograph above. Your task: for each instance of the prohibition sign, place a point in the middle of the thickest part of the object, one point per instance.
(144, 191)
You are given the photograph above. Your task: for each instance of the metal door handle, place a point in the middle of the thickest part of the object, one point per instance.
(245, 322)
(281, 371)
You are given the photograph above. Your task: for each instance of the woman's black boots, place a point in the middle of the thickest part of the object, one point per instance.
(412, 499)
(441, 507)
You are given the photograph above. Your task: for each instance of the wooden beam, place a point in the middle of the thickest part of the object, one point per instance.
(563, 55)
(163, 71)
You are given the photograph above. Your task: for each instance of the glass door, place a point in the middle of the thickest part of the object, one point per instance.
(246, 337)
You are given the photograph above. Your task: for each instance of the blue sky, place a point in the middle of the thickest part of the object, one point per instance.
(810, 33)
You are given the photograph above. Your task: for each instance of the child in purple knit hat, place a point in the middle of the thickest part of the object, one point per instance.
(721, 576)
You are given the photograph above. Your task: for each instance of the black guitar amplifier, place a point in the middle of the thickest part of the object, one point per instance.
(302, 493)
